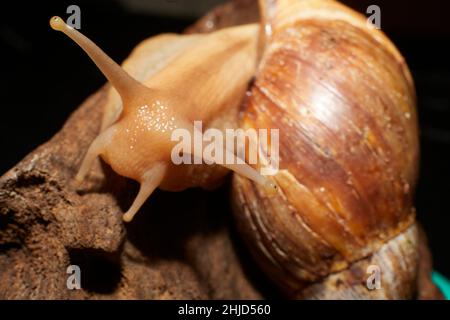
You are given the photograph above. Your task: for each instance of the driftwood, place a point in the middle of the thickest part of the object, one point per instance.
(180, 246)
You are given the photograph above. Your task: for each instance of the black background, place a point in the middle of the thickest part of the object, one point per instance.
(44, 77)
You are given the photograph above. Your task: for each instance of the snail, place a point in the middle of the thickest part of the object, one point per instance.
(344, 101)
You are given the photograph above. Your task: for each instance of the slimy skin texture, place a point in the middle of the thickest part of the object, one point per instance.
(202, 79)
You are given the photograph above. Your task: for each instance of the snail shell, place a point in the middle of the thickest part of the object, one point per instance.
(344, 101)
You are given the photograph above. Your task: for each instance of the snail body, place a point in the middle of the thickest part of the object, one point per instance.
(137, 137)
(344, 101)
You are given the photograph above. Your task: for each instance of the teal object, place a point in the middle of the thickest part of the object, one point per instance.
(442, 282)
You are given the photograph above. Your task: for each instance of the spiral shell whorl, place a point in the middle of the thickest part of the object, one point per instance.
(344, 102)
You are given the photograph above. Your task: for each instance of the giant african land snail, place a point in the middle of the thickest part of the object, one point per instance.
(344, 101)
